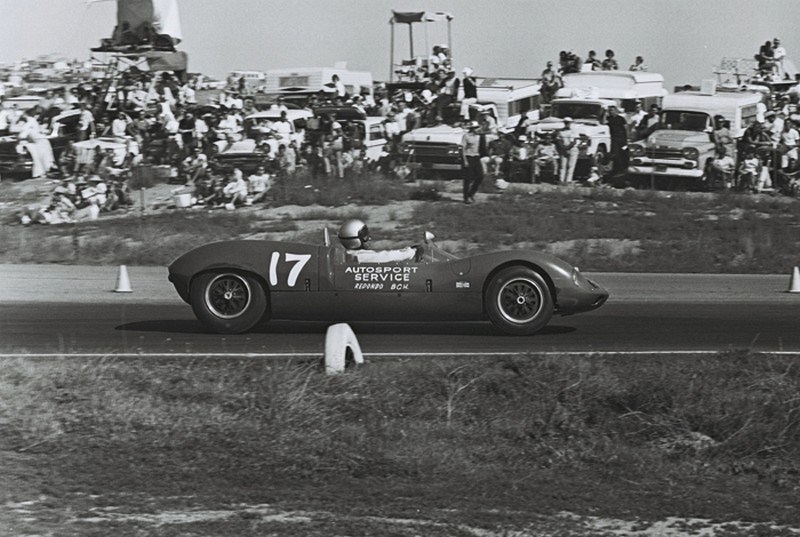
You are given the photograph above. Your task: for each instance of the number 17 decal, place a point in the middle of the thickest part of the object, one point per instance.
(299, 261)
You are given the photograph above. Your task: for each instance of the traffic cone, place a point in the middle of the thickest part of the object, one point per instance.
(123, 283)
(794, 283)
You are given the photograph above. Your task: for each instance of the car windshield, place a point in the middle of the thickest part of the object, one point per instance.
(577, 111)
(684, 121)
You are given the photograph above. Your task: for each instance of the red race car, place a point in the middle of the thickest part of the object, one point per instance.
(233, 286)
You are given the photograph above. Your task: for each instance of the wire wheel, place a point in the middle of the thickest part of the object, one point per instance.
(520, 300)
(228, 296)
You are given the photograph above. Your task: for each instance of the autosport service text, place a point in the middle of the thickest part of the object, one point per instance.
(375, 277)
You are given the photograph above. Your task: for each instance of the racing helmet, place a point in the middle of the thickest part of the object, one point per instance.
(354, 234)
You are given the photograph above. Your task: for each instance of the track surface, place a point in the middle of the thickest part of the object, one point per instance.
(72, 310)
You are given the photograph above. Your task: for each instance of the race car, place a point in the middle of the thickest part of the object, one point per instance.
(233, 286)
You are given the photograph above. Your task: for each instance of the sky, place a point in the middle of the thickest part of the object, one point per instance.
(681, 39)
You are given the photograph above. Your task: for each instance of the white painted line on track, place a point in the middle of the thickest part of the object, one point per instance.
(385, 354)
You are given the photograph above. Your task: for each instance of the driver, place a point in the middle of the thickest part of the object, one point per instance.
(354, 236)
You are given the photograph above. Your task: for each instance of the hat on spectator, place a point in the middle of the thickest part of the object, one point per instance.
(770, 113)
(95, 179)
(567, 119)
(473, 125)
(467, 71)
(60, 190)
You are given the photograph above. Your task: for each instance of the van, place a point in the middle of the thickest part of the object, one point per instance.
(253, 80)
(682, 145)
(297, 84)
(513, 98)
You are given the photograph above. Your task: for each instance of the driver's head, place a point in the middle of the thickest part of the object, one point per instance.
(354, 234)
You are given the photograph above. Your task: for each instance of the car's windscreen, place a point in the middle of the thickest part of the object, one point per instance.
(684, 121)
(577, 111)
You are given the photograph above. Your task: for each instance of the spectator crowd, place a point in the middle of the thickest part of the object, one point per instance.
(147, 120)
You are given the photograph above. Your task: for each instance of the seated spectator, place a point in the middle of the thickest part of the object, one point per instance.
(592, 63)
(496, 162)
(788, 142)
(235, 190)
(722, 169)
(610, 63)
(259, 185)
(749, 170)
(638, 64)
(195, 166)
(545, 155)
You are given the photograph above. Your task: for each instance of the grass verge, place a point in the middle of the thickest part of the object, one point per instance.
(488, 443)
(598, 229)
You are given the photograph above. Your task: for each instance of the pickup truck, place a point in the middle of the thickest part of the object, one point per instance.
(439, 148)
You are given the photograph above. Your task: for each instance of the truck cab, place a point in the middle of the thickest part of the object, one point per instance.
(589, 117)
(440, 147)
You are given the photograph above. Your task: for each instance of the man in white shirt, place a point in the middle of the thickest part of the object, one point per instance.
(788, 142)
(282, 128)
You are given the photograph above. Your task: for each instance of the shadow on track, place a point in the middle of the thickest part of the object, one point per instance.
(184, 326)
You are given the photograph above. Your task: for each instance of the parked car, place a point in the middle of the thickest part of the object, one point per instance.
(233, 286)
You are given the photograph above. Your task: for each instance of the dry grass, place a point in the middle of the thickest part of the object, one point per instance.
(484, 442)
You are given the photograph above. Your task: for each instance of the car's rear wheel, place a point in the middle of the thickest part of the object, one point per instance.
(228, 302)
(518, 301)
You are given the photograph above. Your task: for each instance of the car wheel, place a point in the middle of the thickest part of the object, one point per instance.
(228, 302)
(518, 301)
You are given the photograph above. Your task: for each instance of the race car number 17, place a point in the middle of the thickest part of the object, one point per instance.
(298, 260)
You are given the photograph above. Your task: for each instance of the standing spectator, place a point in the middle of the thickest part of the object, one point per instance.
(4, 118)
(186, 128)
(638, 64)
(778, 54)
(448, 94)
(618, 129)
(568, 149)
(85, 122)
(282, 128)
(649, 123)
(470, 87)
(37, 144)
(610, 63)
(119, 126)
(634, 117)
(473, 169)
(259, 185)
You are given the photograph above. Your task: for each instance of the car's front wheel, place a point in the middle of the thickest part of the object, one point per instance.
(518, 301)
(228, 302)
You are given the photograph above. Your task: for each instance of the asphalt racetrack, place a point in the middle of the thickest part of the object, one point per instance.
(68, 310)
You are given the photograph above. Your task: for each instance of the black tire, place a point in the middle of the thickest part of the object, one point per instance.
(518, 301)
(228, 302)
